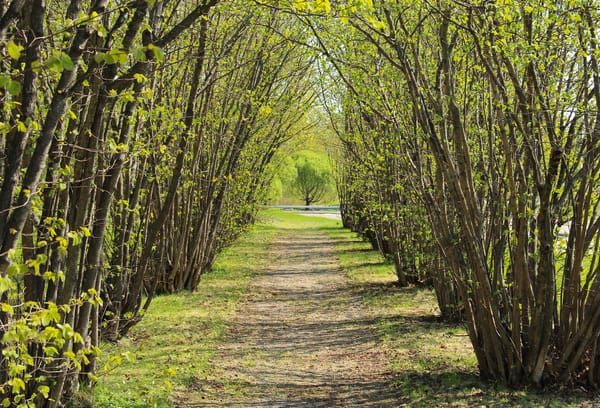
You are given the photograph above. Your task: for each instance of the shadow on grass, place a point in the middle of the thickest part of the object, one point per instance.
(449, 388)
(356, 249)
(452, 388)
(367, 264)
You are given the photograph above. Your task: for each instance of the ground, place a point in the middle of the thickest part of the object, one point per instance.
(302, 313)
(303, 339)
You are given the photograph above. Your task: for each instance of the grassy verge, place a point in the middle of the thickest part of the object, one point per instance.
(170, 350)
(433, 362)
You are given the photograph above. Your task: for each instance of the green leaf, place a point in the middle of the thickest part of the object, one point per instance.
(53, 312)
(16, 369)
(67, 330)
(159, 54)
(36, 66)
(77, 338)
(101, 31)
(139, 54)
(16, 270)
(122, 57)
(53, 63)
(8, 309)
(6, 284)
(44, 390)
(14, 50)
(112, 57)
(46, 317)
(67, 62)
(59, 61)
(93, 378)
(13, 87)
(86, 231)
(100, 57)
(50, 351)
(17, 385)
(21, 127)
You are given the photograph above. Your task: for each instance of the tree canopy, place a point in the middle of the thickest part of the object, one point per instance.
(313, 179)
(138, 140)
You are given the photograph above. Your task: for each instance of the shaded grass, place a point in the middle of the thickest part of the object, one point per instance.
(432, 361)
(170, 350)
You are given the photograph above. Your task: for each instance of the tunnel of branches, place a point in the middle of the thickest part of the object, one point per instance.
(139, 139)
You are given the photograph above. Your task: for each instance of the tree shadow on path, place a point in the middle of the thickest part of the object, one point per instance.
(302, 339)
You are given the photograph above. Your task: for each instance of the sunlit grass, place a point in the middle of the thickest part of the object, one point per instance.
(283, 219)
(171, 349)
(432, 362)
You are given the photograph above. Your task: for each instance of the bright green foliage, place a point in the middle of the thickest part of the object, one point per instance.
(135, 145)
(284, 173)
(313, 179)
(35, 341)
(496, 144)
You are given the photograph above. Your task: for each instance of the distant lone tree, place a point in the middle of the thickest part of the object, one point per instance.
(313, 178)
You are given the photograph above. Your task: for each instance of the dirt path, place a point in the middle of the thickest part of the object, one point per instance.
(303, 339)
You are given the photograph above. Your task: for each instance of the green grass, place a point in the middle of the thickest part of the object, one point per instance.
(432, 362)
(171, 348)
(293, 220)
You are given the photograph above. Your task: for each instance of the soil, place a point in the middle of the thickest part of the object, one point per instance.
(302, 339)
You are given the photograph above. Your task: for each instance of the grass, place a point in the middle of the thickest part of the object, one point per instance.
(170, 350)
(432, 362)
(293, 220)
